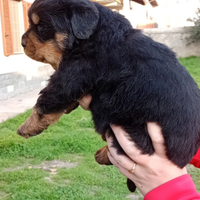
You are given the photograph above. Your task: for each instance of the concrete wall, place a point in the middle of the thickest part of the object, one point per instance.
(174, 38)
(14, 83)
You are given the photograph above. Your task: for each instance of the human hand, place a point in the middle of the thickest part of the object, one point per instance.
(150, 171)
(85, 101)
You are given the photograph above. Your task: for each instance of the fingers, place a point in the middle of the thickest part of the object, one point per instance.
(85, 101)
(118, 160)
(127, 145)
(157, 138)
(123, 163)
(130, 147)
(122, 169)
(146, 171)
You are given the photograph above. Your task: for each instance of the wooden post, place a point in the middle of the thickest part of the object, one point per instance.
(26, 6)
(6, 27)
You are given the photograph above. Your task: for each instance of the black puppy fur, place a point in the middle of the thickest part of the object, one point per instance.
(132, 79)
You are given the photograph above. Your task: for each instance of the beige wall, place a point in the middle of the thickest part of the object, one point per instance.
(20, 74)
(18, 62)
(175, 39)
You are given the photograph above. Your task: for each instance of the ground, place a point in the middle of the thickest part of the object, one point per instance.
(59, 163)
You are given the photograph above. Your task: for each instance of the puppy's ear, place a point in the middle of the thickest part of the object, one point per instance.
(85, 17)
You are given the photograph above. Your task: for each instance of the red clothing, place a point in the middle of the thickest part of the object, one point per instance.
(196, 159)
(181, 188)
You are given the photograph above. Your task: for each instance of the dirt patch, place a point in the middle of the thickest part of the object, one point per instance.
(135, 197)
(4, 195)
(59, 183)
(14, 168)
(94, 190)
(190, 167)
(51, 166)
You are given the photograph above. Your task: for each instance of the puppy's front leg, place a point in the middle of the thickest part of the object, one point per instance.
(37, 122)
(59, 97)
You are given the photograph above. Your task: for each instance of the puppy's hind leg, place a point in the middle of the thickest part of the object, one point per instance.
(131, 185)
(101, 157)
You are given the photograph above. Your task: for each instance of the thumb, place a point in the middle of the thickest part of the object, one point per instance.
(157, 138)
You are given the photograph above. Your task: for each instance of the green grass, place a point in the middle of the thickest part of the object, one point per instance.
(192, 64)
(74, 140)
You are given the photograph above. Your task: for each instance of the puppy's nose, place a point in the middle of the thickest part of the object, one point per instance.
(24, 40)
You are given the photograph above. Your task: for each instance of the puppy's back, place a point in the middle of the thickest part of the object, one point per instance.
(145, 82)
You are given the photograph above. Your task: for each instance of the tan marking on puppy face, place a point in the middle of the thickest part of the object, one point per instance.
(60, 38)
(36, 123)
(46, 52)
(35, 18)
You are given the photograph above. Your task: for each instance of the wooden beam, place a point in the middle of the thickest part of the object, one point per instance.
(118, 7)
(105, 2)
(112, 4)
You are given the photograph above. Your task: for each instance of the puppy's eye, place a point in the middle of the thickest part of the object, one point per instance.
(42, 33)
(45, 32)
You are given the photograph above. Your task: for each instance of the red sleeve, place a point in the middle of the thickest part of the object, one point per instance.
(181, 188)
(196, 159)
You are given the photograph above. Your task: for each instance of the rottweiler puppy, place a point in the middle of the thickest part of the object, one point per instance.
(131, 78)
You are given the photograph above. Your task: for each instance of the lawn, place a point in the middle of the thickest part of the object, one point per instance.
(73, 141)
(192, 64)
(59, 164)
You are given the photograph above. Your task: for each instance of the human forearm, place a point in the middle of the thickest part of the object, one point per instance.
(181, 188)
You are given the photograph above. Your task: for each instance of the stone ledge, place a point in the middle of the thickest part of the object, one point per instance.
(15, 83)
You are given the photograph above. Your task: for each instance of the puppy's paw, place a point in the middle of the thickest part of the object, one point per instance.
(101, 156)
(131, 185)
(36, 123)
